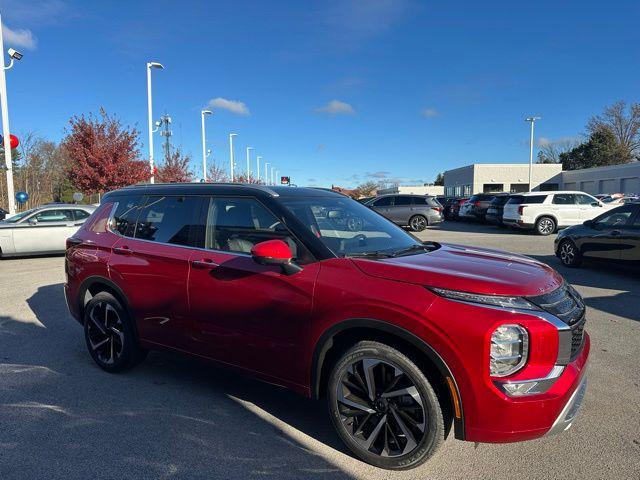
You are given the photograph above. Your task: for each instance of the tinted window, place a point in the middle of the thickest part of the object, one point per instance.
(402, 201)
(636, 222)
(528, 199)
(54, 216)
(583, 199)
(80, 214)
(616, 217)
(237, 224)
(169, 219)
(564, 199)
(497, 201)
(383, 202)
(126, 214)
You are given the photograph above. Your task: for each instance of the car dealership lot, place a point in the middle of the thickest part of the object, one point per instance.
(173, 417)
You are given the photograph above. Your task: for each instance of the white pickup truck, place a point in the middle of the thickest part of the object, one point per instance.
(545, 212)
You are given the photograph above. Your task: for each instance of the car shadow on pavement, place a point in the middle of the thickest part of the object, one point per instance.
(170, 417)
(591, 274)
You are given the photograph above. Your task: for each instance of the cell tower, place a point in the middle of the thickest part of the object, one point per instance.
(165, 122)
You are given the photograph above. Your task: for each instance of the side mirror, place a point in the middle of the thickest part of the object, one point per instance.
(596, 204)
(275, 252)
(588, 223)
(33, 221)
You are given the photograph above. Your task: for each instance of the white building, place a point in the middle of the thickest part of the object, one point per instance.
(434, 190)
(501, 177)
(623, 178)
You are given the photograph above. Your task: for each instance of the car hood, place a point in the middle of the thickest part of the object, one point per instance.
(468, 269)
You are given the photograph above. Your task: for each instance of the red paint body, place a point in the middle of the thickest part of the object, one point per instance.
(230, 309)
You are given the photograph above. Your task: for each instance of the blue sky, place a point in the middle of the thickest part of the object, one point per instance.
(334, 92)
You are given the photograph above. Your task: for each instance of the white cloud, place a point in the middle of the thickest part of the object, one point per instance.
(336, 107)
(20, 38)
(234, 106)
(430, 112)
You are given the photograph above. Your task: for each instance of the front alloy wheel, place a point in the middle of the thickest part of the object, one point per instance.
(569, 254)
(384, 408)
(418, 223)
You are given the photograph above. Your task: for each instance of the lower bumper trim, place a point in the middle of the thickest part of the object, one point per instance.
(570, 410)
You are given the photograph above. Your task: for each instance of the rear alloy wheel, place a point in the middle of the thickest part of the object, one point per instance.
(418, 223)
(384, 408)
(545, 226)
(109, 334)
(569, 254)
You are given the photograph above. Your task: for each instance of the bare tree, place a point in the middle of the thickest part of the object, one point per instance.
(216, 174)
(624, 124)
(550, 151)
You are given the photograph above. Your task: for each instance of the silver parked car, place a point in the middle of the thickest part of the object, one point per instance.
(414, 211)
(43, 229)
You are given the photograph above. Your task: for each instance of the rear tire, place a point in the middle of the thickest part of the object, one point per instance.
(569, 254)
(418, 223)
(545, 226)
(109, 334)
(384, 408)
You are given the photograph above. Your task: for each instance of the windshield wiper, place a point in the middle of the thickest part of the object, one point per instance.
(375, 254)
(410, 249)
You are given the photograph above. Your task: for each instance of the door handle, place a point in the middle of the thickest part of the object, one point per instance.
(124, 250)
(206, 263)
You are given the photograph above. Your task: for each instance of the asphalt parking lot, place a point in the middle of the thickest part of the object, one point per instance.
(62, 417)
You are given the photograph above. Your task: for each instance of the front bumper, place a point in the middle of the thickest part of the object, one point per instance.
(570, 410)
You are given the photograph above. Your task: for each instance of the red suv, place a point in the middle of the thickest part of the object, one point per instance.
(405, 340)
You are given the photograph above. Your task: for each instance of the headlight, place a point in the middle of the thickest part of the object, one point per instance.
(509, 350)
(495, 300)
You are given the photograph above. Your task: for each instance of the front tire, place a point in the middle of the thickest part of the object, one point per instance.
(384, 408)
(569, 254)
(109, 334)
(418, 223)
(545, 226)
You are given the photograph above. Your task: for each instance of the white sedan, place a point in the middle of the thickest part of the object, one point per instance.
(41, 230)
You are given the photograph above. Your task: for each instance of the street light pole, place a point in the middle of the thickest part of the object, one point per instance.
(531, 120)
(277, 177)
(266, 173)
(272, 181)
(233, 162)
(151, 65)
(5, 126)
(248, 163)
(204, 145)
(258, 168)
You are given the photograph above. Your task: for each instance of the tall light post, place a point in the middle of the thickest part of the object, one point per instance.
(272, 180)
(204, 145)
(277, 177)
(258, 167)
(248, 163)
(151, 65)
(531, 120)
(232, 159)
(5, 119)
(266, 173)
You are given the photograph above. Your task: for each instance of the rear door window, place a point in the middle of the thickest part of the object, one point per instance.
(564, 199)
(126, 214)
(402, 201)
(50, 216)
(169, 219)
(383, 202)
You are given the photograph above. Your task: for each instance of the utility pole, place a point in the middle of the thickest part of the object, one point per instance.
(531, 120)
(165, 121)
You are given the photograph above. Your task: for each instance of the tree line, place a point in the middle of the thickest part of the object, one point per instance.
(611, 138)
(97, 154)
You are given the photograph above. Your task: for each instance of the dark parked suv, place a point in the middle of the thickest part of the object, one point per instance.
(496, 209)
(479, 204)
(414, 211)
(405, 340)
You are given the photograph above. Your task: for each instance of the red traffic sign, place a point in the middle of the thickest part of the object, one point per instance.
(285, 180)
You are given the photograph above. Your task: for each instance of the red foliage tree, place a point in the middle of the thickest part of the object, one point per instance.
(175, 169)
(243, 178)
(216, 174)
(103, 155)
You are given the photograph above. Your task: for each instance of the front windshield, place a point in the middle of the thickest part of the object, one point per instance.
(349, 228)
(16, 218)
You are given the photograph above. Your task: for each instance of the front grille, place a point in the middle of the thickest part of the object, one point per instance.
(566, 304)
